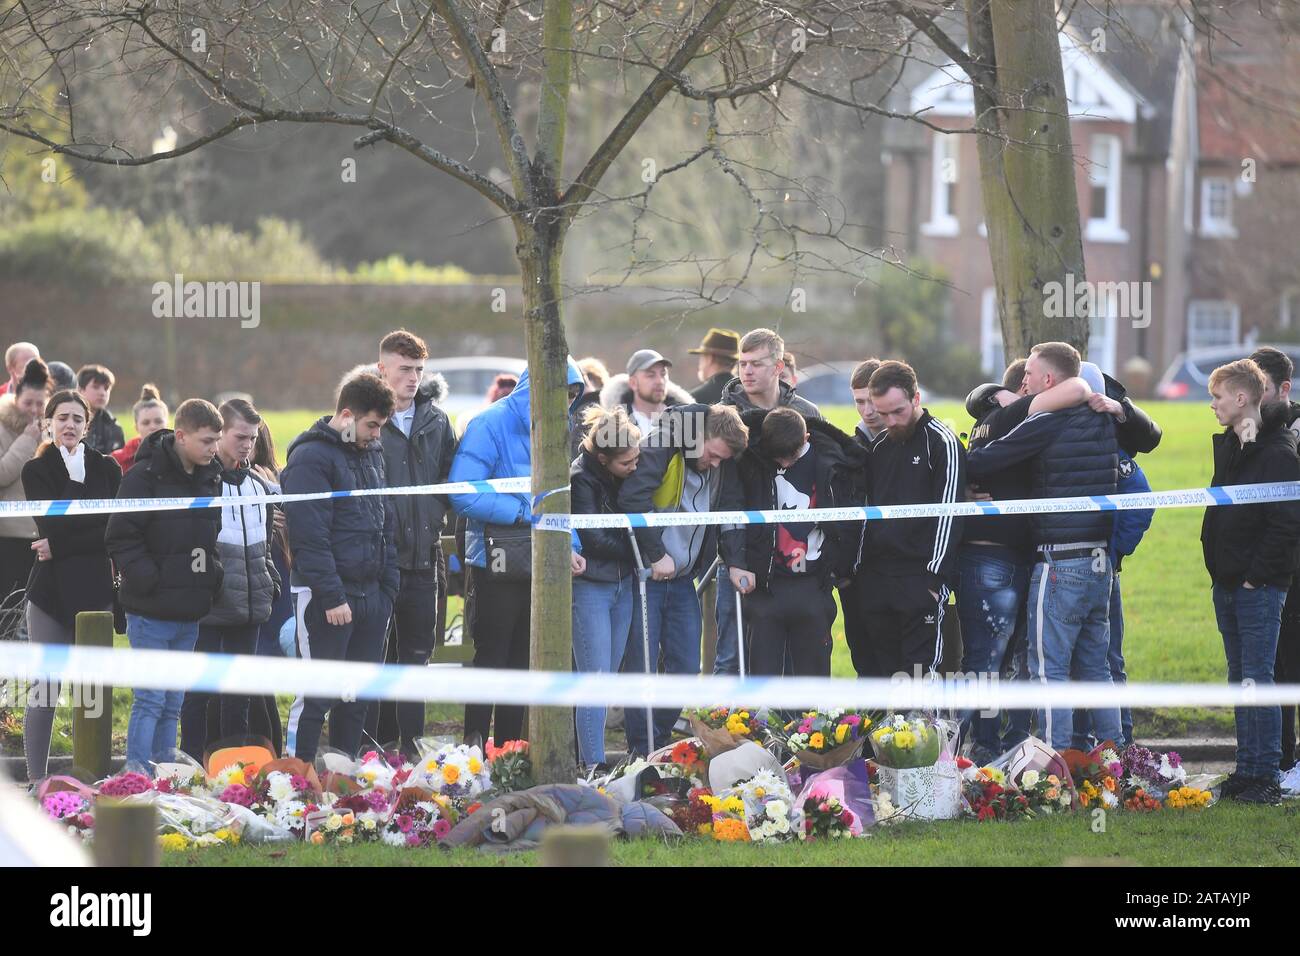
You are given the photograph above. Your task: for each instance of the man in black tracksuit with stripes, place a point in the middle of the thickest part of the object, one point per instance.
(912, 561)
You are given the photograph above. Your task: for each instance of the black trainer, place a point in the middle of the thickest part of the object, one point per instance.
(1264, 791)
(1234, 785)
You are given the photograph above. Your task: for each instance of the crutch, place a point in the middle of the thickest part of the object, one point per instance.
(642, 575)
(740, 638)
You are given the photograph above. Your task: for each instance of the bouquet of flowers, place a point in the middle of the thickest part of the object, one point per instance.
(1096, 775)
(825, 817)
(693, 816)
(509, 766)
(903, 744)
(728, 814)
(916, 766)
(690, 757)
(769, 807)
(452, 770)
(720, 729)
(1151, 771)
(824, 739)
(1188, 798)
(1047, 793)
(988, 795)
(71, 809)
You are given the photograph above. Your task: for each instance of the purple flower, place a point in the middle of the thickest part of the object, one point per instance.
(63, 803)
(1175, 761)
(238, 794)
(413, 839)
(299, 782)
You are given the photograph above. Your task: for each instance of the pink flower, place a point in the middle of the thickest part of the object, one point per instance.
(299, 782)
(405, 822)
(163, 785)
(440, 829)
(369, 755)
(125, 785)
(851, 719)
(824, 807)
(86, 820)
(63, 803)
(805, 726)
(846, 818)
(413, 839)
(238, 794)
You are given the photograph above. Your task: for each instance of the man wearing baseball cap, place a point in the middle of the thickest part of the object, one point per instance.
(718, 353)
(646, 390)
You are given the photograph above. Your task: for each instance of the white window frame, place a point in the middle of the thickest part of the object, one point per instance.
(943, 221)
(1102, 353)
(1287, 313)
(1206, 304)
(1217, 227)
(1106, 228)
(992, 353)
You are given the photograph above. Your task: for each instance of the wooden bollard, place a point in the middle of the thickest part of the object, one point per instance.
(586, 845)
(92, 712)
(126, 834)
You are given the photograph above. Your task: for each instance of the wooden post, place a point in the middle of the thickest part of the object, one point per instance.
(576, 845)
(126, 834)
(92, 712)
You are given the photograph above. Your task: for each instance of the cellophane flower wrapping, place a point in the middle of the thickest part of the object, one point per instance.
(917, 766)
(851, 786)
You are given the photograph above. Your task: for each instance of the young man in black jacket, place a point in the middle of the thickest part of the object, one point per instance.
(418, 444)
(1071, 452)
(912, 561)
(1251, 554)
(1278, 370)
(169, 563)
(793, 464)
(344, 575)
(95, 383)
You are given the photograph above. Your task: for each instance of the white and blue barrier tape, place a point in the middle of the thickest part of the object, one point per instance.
(241, 674)
(80, 506)
(1184, 498)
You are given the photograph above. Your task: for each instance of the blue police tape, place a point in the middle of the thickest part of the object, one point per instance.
(241, 674)
(76, 506)
(1185, 498)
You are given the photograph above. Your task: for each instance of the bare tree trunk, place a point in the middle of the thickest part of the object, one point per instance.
(1031, 205)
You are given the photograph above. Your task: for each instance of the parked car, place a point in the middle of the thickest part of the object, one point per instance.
(1188, 378)
(469, 377)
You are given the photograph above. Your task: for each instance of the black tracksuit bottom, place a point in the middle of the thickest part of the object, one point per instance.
(498, 613)
(791, 616)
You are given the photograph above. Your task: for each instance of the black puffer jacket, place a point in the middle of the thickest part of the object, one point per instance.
(78, 576)
(594, 491)
(423, 459)
(340, 546)
(168, 560)
(1255, 543)
(1072, 452)
(840, 483)
(733, 393)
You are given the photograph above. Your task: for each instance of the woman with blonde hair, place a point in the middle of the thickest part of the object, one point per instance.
(605, 576)
(150, 414)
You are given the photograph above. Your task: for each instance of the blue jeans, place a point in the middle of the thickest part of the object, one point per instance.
(602, 616)
(674, 615)
(1249, 620)
(726, 659)
(990, 604)
(151, 731)
(1069, 638)
(1115, 660)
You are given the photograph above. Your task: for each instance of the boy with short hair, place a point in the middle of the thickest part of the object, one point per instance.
(169, 563)
(95, 383)
(1251, 554)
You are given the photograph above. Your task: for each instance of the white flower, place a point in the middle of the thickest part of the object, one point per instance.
(333, 822)
(1029, 778)
(777, 810)
(1109, 756)
(278, 786)
(393, 838)
(1109, 799)
(1169, 772)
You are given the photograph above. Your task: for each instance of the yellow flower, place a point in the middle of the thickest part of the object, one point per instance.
(450, 773)
(173, 841)
(760, 792)
(905, 740)
(237, 776)
(226, 835)
(475, 765)
(705, 829)
(841, 732)
(733, 805)
(817, 741)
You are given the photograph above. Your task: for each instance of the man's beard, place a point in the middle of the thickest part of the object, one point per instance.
(901, 433)
(651, 398)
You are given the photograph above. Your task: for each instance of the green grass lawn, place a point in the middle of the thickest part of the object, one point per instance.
(1210, 837)
(1170, 631)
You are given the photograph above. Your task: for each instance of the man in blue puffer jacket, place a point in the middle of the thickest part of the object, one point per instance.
(498, 600)
(344, 572)
(1072, 452)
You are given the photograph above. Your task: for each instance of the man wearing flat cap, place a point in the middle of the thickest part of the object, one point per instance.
(718, 353)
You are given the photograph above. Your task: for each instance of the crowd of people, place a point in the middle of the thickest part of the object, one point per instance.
(364, 578)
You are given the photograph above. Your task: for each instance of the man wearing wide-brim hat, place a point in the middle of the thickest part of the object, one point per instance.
(718, 353)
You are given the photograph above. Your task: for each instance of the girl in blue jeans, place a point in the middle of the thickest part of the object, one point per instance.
(605, 576)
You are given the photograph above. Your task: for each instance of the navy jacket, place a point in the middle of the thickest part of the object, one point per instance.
(339, 546)
(1130, 526)
(1072, 452)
